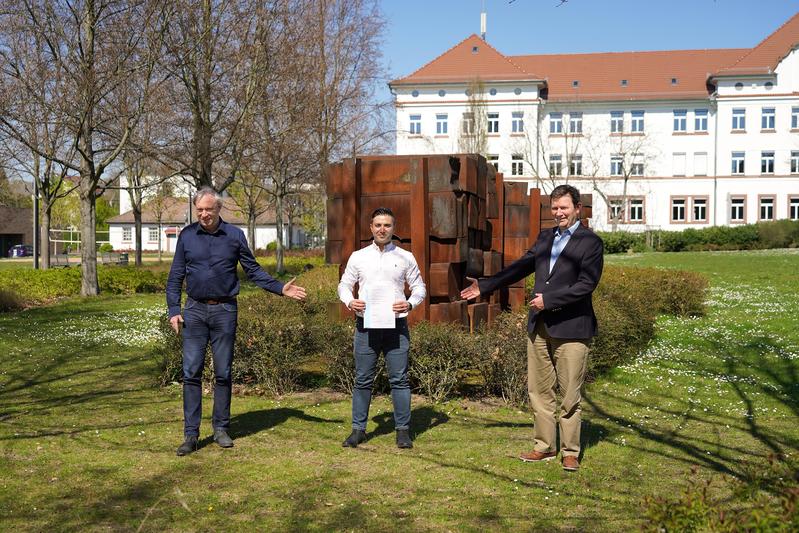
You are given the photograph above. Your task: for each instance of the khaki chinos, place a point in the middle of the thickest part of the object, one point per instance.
(556, 365)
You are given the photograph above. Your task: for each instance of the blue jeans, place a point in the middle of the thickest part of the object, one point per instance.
(394, 344)
(203, 323)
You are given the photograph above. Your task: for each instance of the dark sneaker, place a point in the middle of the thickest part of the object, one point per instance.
(534, 457)
(404, 439)
(189, 445)
(356, 437)
(222, 438)
(570, 463)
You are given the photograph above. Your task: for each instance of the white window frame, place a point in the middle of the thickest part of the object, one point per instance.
(616, 165)
(768, 117)
(442, 123)
(636, 204)
(517, 165)
(493, 122)
(696, 204)
(127, 234)
(617, 122)
(794, 161)
(576, 165)
(739, 119)
(793, 207)
(467, 123)
(637, 121)
(517, 122)
(680, 203)
(738, 203)
(700, 120)
(152, 232)
(767, 162)
(576, 123)
(765, 207)
(794, 118)
(738, 163)
(555, 164)
(415, 124)
(555, 123)
(493, 159)
(680, 120)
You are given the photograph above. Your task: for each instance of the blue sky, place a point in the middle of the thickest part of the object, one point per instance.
(418, 31)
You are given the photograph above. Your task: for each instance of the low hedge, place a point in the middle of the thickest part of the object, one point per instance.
(762, 235)
(278, 337)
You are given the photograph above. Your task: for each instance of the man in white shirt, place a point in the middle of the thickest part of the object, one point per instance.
(378, 269)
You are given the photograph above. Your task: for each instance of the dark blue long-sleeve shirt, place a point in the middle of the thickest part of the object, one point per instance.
(208, 263)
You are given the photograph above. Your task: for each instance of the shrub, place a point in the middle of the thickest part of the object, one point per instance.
(440, 353)
(616, 242)
(335, 338)
(501, 357)
(10, 300)
(105, 247)
(130, 280)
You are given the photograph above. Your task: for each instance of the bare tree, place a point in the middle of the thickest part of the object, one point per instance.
(473, 138)
(252, 200)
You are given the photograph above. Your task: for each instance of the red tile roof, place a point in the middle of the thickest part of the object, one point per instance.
(173, 212)
(599, 75)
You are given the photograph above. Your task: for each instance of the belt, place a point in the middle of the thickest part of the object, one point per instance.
(211, 301)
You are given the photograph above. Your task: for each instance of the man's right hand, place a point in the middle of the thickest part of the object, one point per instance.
(176, 321)
(357, 305)
(472, 291)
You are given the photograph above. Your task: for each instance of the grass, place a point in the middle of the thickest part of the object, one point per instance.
(87, 439)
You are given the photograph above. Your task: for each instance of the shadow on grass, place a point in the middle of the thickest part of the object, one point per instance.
(422, 419)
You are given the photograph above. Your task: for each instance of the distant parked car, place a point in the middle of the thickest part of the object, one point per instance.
(20, 250)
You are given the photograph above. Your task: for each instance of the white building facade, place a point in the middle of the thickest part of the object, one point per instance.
(667, 140)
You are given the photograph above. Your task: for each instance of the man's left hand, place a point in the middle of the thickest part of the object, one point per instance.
(537, 303)
(293, 291)
(401, 306)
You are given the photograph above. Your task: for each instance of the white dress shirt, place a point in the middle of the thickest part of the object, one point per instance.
(392, 265)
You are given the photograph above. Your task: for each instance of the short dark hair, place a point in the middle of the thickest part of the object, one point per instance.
(565, 190)
(383, 211)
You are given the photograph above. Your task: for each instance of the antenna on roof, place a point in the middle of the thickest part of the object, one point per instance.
(483, 21)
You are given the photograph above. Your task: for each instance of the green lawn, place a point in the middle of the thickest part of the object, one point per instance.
(88, 440)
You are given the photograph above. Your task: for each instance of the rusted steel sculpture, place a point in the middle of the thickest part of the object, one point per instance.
(455, 213)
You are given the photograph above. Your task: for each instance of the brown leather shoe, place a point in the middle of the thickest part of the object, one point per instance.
(534, 456)
(570, 463)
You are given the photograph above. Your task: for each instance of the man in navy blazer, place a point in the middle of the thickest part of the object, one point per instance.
(567, 261)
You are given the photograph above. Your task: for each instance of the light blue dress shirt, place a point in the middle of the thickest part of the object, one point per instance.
(560, 242)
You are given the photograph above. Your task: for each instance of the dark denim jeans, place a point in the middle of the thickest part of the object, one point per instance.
(394, 344)
(204, 323)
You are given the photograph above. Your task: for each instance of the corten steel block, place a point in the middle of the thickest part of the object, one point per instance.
(449, 250)
(517, 298)
(385, 176)
(492, 204)
(473, 211)
(492, 263)
(335, 214)
(445, 280)
(534, 223)
(482, 177)
(333, 252)
(514, 248)
(478, 315)
(440, 313)
(494, 310)
(517, 221)
(481, 213)
(515, 193)
(420, 229)
(400, 204)
(443, 173)
(496, 245)
(474, 266)
(334, 182)
(458, 312)
(488, 233)
(475, 237)
(468, 173)
(447, 215)
(351, 207)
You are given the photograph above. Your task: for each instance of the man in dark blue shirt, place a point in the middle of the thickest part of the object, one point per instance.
(206, 256)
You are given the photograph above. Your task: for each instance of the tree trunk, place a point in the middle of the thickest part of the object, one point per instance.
(44, 233)
(89, 285)
(279, 224)
(137, 233)
(159, 240)
(251, 230)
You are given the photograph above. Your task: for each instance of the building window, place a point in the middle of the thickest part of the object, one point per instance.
(737, 209)
(517, 122)
(555, 164)
(678, 209)
(794, 161)
(467, 123)
(793, 207)
(700, 209)
(767, 118)
(636, 210)
(637, 165)
(152, 234)
(493, 159)
(738, 160)
(700, 119)
(616, 165)
(556, 123)
(680, 120)
(637, 124)
(493, 123)
(615, 210)
(700, 164)
(441, 124)
(415, 126)
(127, 234)
(517, 165)
(616, 121)
(766, 208)
(794, 118)
(576, 123)
(738, 119)
(678, 164)
(576, 165)
(767, 162)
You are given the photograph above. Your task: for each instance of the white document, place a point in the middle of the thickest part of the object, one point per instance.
(379, 301)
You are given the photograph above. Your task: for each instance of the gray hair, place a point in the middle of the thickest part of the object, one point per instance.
(207, 191)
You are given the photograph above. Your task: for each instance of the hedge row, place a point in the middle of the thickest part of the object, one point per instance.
(762, 235)
(279, 339)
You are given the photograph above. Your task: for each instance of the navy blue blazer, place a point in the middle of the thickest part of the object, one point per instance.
(568, 312)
